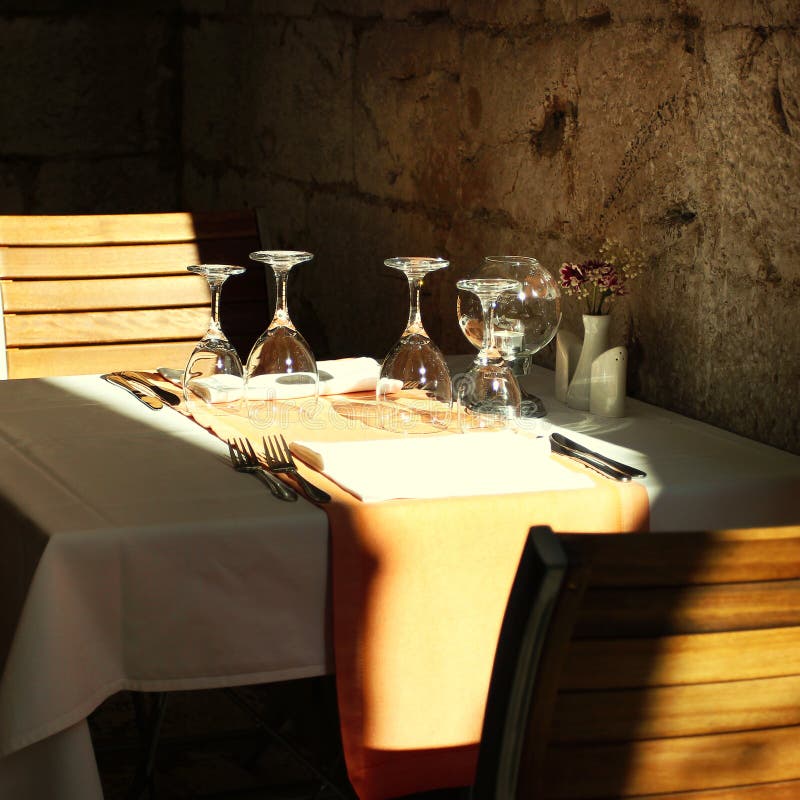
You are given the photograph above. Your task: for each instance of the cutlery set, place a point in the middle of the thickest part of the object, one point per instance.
(145, 391)
(616, 470)
(279, 458)
(277, 455)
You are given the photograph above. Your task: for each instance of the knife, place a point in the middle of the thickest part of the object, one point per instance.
(562, 440)
(149, 400)
(589, 461)
(164, 394)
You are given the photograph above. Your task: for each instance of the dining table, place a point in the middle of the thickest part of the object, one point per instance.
(133, 557)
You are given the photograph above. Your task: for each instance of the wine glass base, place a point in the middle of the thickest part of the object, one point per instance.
(485, 416)
(531, 406)
(281, 398)
(488, 397)
(264, 414)
(199, 407)
(413, 415)
(212, 379)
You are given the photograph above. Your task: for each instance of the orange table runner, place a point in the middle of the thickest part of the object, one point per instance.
(419, 591)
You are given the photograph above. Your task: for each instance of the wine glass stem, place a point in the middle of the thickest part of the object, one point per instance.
(414, 314)
(281, 308)
(215, 284)
(488, 351)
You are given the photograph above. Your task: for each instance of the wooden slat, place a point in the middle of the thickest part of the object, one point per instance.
(104, 293)
(644, 611)
(676, 710)
(89, 360)
(673, 765)
(682, 675)
(119, 260)
(676, 559)
(673, 660)
(98, 261)
(94, 327)
(124, 228)
(779, 790)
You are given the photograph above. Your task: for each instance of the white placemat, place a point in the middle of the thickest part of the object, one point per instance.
(440, 466)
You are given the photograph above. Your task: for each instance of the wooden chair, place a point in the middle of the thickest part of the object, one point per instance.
(665, 666)
(96, 293)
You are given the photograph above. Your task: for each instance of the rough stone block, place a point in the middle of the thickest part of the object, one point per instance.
(120, 184)
(252, 8)
(13, 189)
(519, 120)
(770, 13)
(419, 10)
(505, 13)
(364, 305)
(284, 100)
(406, 114)
(751, 124)
(115, 78)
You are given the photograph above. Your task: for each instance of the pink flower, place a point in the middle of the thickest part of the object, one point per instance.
(572, 275)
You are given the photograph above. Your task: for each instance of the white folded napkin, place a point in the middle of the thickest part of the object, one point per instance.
(218, 389)
(440, 466)
(282, 387)
(337, 376)
(345, 375)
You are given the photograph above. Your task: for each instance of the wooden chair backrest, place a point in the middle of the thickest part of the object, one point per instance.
(96, 293)
(670, 668)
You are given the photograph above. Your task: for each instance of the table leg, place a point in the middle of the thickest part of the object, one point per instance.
(148, 721)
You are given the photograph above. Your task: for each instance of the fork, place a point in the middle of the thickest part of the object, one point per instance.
(244, 459)
(279, 459)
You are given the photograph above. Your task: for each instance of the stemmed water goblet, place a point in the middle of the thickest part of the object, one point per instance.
(488, 394)
(281, 373)
(414, 392)
(214, 373)
(524, 322)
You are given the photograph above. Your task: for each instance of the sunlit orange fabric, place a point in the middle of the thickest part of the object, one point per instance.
(419, 591)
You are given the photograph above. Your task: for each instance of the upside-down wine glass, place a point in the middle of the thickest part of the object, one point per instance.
(414, 392)
(281, 379)
(213, 374)
(488, 394)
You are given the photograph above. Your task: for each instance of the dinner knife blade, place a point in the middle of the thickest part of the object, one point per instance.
(588, 461)
(562, 440)
(163, 394)
(149, 400)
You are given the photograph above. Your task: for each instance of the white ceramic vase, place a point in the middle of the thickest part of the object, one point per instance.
(595, 342)
(568, 351)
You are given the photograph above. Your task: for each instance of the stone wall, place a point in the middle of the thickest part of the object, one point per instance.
(90, 108)
(371, 128)
(464, 128)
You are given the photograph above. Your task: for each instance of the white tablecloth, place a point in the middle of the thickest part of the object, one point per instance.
(698, 477)
(133, 557)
